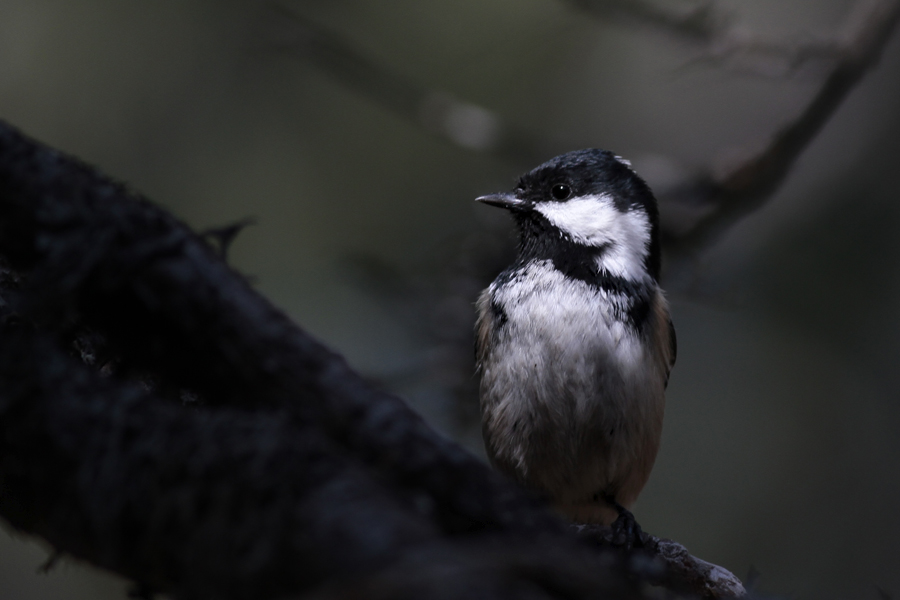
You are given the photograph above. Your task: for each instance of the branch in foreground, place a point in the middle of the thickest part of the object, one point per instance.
(215, 504)
(295, 476)
(164, 299)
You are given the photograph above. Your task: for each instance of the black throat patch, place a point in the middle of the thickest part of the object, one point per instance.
(540, 241)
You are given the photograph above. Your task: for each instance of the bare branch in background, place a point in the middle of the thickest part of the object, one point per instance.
(701, 206)
(701, 22)
(716, 34)
(726, 193)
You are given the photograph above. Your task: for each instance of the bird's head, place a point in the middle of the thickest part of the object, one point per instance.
(586, 209)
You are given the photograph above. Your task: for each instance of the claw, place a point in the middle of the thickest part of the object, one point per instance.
(626, 533)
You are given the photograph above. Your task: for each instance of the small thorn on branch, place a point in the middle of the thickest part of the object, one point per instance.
(51, 562)
(224, 236)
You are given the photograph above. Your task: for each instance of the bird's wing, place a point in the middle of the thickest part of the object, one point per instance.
(665, 330)
(484, 327)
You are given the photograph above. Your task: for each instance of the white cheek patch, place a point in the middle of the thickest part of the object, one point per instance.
(595, 221)
(589, 220)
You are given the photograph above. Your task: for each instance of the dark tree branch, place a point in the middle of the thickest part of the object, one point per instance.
(217, 503)
(164, 298)
(294, 476)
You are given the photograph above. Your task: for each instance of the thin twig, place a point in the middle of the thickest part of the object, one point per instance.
(701, 22)
(716, 34)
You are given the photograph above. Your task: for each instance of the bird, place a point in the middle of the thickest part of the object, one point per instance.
(574, 340)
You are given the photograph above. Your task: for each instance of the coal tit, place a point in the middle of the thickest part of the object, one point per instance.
(574, 342)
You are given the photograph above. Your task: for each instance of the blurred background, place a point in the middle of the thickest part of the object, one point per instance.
(357, 134)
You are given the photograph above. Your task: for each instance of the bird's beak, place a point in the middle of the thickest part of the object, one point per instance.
(503, 200)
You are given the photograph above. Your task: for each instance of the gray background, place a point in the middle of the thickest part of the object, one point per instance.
(781, 440)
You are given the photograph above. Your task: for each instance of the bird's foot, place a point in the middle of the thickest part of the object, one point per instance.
(626, 533)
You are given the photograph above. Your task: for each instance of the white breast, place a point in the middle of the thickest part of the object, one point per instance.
(566, 321)
(566, 387)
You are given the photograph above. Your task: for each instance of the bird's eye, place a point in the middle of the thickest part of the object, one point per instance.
(560, 191)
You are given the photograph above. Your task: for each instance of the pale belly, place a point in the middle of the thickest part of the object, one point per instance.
(574, 411)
